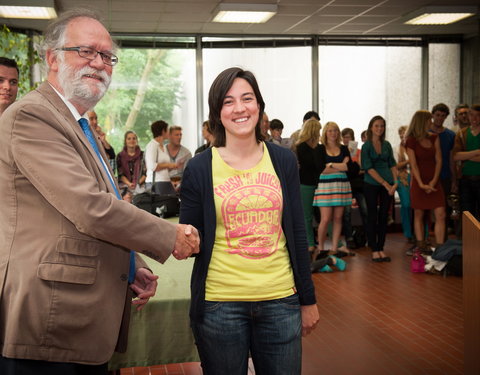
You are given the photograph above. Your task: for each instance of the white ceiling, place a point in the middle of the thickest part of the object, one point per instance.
(294, 17)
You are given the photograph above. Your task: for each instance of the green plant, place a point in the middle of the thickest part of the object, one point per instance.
(17, 46)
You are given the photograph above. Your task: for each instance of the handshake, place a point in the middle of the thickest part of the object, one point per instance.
(187, 242)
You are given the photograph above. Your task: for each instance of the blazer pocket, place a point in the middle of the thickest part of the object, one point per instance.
(77, 246)
(67, 273)
(77, 252)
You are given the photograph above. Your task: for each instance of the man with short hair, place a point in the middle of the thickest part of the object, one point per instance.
(467, 151)
(311, 114)
(448, 180)
(67, 275)
(276, 129)
(178, 154)
(461, 116)
(8, 82)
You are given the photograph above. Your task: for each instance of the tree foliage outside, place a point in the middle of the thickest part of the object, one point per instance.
(145, 88)
(16, 46)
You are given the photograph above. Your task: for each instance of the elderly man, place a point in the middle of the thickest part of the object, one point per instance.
(66, 270)
(8, 82)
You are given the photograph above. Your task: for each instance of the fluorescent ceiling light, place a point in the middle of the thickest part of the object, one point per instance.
(439, 15)
(34, 9)
(244, 13)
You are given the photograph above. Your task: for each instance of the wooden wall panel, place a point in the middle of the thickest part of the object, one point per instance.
(471, 292)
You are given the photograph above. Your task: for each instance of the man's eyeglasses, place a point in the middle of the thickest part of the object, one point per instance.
(90, 54)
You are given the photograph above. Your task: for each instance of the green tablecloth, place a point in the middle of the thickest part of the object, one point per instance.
(160, 333)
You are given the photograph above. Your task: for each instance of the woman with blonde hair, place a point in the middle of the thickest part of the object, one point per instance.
(333, 192)
(426, 192)
(310, 164)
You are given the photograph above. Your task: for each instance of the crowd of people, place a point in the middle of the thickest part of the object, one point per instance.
(247, 212)
(432, 167)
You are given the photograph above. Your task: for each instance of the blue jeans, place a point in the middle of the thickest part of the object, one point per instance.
(270, 330)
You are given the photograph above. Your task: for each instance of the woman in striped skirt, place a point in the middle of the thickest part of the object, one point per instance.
(333, 192)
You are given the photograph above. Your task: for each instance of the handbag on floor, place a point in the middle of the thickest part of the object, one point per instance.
(418, 262)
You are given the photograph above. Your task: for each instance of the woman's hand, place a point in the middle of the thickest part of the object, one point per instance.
(310, 318)
(428, 189)
(392, 189)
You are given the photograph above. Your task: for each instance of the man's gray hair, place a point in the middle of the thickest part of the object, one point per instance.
(54, 35)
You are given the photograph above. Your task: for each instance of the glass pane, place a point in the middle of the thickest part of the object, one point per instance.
(150, 85)
(357, 83)
(283, 74)
(444, 77)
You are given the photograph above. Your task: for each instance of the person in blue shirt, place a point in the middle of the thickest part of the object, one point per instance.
(440, 113)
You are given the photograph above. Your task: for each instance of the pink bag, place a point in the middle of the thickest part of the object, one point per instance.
(418, 262)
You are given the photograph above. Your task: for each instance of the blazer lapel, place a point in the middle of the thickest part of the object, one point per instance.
(49, 93)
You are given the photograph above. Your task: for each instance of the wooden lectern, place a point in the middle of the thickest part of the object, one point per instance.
(471, 292)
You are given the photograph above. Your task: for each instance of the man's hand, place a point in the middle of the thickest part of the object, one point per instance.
(310, 318)
(187, 241)
(144, 286)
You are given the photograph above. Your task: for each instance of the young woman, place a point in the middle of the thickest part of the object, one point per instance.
(333, 192)
(426, 192)
(310, 163)
(380, 185)
(131, 166)
(251, 285)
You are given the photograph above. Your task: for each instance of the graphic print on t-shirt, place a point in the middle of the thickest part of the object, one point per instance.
(251, 211)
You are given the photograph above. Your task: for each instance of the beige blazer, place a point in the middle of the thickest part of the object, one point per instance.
(64, 238)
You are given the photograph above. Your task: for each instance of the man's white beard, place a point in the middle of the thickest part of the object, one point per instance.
(77, 91)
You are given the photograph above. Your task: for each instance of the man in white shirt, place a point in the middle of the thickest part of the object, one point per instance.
(177, 153)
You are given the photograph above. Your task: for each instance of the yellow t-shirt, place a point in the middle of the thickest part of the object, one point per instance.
(250, 260)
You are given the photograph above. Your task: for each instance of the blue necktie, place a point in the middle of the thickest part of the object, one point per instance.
(88, 133)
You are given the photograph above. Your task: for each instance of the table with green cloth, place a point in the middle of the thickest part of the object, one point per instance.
(160, 333)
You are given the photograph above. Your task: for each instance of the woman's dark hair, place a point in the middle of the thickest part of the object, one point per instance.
(216, 95)
(158, 128)
(311, 114)
(370, 124)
